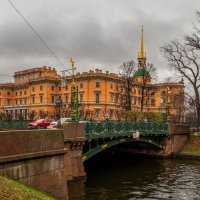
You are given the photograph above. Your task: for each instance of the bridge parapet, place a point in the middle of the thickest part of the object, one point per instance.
(179, 129)
(97, 130)
(74, 132)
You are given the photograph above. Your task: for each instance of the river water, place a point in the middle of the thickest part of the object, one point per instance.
(127, 177)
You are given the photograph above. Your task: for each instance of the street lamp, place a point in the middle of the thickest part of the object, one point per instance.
(74, 90)
(168, 104)
(161, 105)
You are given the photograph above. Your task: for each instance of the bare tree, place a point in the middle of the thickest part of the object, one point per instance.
(119, 114)
(32, 114)
(177, 104)
(88, 115)
(148, 73)
(127, 71)
(9, 116)
(184, 58)
(43, 114)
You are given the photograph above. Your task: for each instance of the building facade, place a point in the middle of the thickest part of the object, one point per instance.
(99, 93)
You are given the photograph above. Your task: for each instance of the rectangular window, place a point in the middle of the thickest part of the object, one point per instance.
(116, 98)
(16, 101)
(33, 89)
(81, 97)
(20, 93)
(52, 88)
(41, 98)
(59, 88)
(8, 102)
(153, 102)
(111, 97)
(41, 88)
(25, 92)
(8, 93)
(25, 101)
(81, 85)
(135, 101)
(33, 99)
(97, 97)
(97, 84)
(52, 99)
(97, 112)
(20, 102)
(139, 101)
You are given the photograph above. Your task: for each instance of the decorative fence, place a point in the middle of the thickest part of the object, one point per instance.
(96, 130)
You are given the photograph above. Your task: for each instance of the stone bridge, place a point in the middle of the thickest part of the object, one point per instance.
(48, 159)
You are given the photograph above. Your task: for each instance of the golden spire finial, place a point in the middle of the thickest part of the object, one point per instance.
(72, 64)
(73, 67)
(142, 54)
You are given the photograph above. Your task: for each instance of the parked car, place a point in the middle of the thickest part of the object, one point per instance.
(40, 123)
(62, 121)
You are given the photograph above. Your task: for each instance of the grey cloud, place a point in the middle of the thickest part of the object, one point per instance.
(96, 33)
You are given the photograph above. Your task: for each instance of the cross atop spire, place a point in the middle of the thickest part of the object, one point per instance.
(142, 54)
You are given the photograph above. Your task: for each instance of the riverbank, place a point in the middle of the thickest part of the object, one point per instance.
(192, 147)
(11, 189)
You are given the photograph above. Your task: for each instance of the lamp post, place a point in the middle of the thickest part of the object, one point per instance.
(58, 106)
(74, 91)
(161, 105)
(168, 104)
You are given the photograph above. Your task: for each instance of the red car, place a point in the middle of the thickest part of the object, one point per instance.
(40, 123)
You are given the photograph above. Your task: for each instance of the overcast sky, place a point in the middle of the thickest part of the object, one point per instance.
(96, 33)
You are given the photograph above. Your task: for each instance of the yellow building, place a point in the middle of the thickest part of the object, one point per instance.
(33, 89)
(100, 93)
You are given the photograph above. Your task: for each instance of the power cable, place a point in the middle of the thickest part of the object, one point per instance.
(31, 27)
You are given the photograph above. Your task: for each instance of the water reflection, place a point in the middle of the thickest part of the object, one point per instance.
(129, 178)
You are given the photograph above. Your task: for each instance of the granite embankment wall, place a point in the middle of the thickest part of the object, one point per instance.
(178, 137)
(192, 147)
(36, 158)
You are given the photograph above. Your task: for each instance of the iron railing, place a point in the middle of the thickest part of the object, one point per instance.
(96, 130)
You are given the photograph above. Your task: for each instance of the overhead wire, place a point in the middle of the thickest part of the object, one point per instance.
(40, 38)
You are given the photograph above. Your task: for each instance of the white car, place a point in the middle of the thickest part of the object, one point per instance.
(62, 121)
